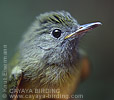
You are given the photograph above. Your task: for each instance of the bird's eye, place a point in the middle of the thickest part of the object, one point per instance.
(56, 33)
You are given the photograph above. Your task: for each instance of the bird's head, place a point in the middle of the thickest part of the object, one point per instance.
(55, 36)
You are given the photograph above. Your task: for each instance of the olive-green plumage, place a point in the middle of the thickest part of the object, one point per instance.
(45, 58)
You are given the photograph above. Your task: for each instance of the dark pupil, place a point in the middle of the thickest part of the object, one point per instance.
(56, 33)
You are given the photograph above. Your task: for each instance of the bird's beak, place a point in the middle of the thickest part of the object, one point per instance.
(83, 28)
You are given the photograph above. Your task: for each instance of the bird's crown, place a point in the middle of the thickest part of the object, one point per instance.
(58, 17)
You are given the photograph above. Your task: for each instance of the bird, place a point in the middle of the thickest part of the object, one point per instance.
(48, 58)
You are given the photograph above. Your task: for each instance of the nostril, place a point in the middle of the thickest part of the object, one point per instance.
(80, 27)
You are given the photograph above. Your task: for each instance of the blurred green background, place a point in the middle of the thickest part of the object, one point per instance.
(17, 15)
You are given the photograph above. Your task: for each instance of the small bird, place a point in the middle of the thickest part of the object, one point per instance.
(48, 58)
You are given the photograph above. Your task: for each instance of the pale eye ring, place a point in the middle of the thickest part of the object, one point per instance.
(56, 33)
